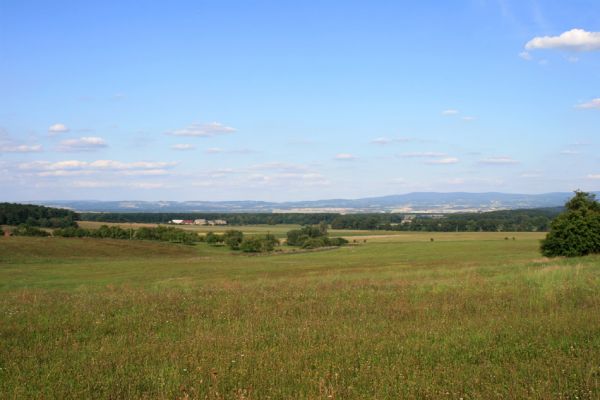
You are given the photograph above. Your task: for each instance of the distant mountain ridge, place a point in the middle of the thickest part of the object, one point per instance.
(417, 202)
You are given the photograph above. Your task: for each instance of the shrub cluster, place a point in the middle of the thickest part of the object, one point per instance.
(575, 232)
(312, 237)
(236, 240)
(28, 230)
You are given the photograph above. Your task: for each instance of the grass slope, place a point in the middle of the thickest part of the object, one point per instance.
(468, 315)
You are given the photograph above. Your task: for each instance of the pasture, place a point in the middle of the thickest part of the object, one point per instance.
(468, 315)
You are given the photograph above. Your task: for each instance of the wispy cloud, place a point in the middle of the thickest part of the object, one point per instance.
(111, 165)
(345, 157)
(573, 40)
(594, 176)
(450, 112)
(498, 161)
(183, 146)
(58, 128)
(592, 104)
(87, 143)
(21, 148)
(386, 140)
(203, 130)
(426, 154)
(443, 161)
(569, 152)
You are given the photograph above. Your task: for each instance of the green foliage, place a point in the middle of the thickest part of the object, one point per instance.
(28, 230)
(213, 239)
(72, 232)
(259, 243)
(233, 239)
(575, 232)
(32, 215)
(160, 233)
(312, 237)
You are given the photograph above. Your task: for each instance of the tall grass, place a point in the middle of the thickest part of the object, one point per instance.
(457, 318)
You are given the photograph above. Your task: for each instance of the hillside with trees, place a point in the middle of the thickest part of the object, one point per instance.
(39, 216)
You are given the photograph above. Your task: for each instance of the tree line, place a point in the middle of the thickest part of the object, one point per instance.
(534, 220)
(531, 220)
(40, 216)
(231, 218)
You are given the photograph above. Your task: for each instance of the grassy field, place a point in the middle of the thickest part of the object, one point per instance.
(465, 316)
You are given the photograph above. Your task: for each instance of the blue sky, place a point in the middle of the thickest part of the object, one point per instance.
(287, 100)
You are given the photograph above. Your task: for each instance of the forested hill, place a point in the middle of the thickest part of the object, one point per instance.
(32, 215)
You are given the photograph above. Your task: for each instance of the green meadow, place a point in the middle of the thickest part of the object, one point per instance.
(393, 315)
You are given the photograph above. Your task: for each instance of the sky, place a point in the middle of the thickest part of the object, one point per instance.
(288, 100)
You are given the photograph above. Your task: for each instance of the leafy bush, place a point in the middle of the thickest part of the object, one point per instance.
(259, 244)
(575, 232)
(233, 239)
(312, 237)
(71, 232)
(27, 230)
(213, 238)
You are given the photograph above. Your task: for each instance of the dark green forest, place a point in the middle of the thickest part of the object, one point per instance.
(32, 215)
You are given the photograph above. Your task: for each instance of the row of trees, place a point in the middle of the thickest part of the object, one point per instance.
(32, 215)
(160, 233)
(231, 218)
(494, 221)
(307, 237)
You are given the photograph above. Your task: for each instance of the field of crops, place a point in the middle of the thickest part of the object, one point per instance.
(467, 315)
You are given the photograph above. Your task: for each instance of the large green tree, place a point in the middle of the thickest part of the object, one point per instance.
(575, 232)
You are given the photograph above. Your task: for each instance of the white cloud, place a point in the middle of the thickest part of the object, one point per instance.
(22, 148)
(444, 161)
(58, 128)
(94, 165)
(592, 104)
(203, 130)
(214, 150)
(183, 146)
(279, 167)
(468, 118)
(426, 154)
(498, 161)
(594, 176)
(450, 112)
(95, 184)
(574, 40)
(345, 157)
(86, 143)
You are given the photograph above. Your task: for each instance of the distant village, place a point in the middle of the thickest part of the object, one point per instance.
(210, 222)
